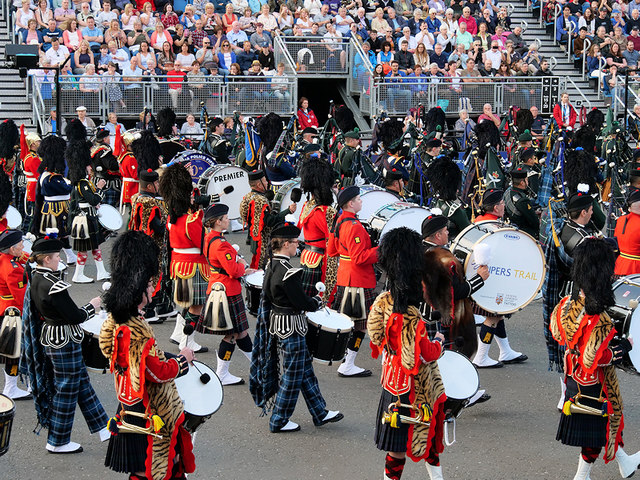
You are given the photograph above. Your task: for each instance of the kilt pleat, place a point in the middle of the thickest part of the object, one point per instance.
(238, 314)
(582, 430)
(388, 438)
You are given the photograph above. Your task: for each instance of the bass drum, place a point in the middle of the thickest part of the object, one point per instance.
(626, 317)
(373, 199)
(516, 267)
(217, 177)
(93, 358)
(399, 214)
(195, 162)
(170, 148)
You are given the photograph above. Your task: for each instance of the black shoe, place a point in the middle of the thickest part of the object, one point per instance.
(171, 340)
(483, 398)
(288, 428)
(202, 349)
(520, 359)
(335, 418)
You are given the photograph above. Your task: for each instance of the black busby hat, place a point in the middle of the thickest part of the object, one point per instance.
(256, 175)
(492, 197)
(9, 238)
(593, 267)
(316, 178)
(51, 150)
(434, 142)
(580, 167)
(134, 261)
(390, 133)
(216, 210)
(347, 194)
(9, 138)
(433, 223)
(78, 151)
(146, 148)
(285, 230)
(520, 172)
(75, 131)
(165, 120)
(634, 196)
(176, 187)
(445, 177)
(102, 133)
(310, 130)
(148, 176)
(47, 244)
(6, 192)
(580, 200)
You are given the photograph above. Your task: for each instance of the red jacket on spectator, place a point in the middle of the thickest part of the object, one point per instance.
(175, 78)
(472, 26)
(557, 115)
(307, 119)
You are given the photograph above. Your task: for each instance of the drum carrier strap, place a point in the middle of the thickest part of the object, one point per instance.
(336, 230)
(218, 270)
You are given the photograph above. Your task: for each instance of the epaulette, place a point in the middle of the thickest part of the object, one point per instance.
(58, 286)
(291, 271)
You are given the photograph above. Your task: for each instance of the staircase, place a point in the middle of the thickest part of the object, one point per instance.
(564, 66)
(14, 102)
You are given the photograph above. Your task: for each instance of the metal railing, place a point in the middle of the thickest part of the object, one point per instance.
(39, 109)
(585, 101)
(570, 30)
(313, 55)
(130, 96)
(618, 98)
(556, 12)
(281, 54)
(361, 69)
(585, 49)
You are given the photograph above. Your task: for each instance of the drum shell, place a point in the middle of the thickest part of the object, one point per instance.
(94, 360)
(195, 162)
(327, 344)
(6, 422)
(626, 318)
(108, 219)
(253, 299)
(192, 422)
(212, 182)
(399, 214)
(373, 199)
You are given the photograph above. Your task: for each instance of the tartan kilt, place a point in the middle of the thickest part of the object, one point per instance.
(111, 197)
(581, 430)
(311, 276)
(369, 297)
(191, 291)
(238, 314)
(95, 236)
(388, 438)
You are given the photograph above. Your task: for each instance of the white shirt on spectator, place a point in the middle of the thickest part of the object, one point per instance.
(56, 57)
(121, 58)
(194, 132)
(186, 60)
(128, 72)
(426, 38)
(496, 58)
(313, 6)
(107, 17)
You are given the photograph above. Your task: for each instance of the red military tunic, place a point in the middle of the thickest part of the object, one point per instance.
(185, 238)
(628, 235)
(12, 285)
(316, 234)
(31, 163)
(487, 216)
(222, 256)
(357, 257)
(129, 172)
(3, 224)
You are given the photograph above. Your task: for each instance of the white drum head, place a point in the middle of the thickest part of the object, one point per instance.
(200, 399)
(516, 272)
(14, 219)
(6, 404)
(223, 176)
(330, 320)
(94, 324)
(256, 279)
(109, 217)
(634, 331)
(373, 199)
(460, 377)
(410, 217)
(285, 192)
(27, 246)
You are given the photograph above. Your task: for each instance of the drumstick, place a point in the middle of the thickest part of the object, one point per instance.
(204, 377)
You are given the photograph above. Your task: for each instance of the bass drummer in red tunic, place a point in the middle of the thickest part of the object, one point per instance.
(628, 235)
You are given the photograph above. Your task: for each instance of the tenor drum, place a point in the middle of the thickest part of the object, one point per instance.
(253, 289)
(398, 214)
(195, 162)
(109, 217)
(170, 148)
(460, 379)
(282, 199)
(7, 412)
(373, 199)
(14, 219)
(217, 177)
(516, 268)
(328, 334)
(91, 353)
(201, 400)
(626, 317)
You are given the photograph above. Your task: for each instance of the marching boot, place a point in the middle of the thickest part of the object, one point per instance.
(71, 257)
(507, 354)
(584, 469)
(71, 447)
(349, 369)
(627, 464)
(482, 359)
(79, 276)
(225, 377)
(102, 274)
(435, 473)
(178, 334)
(12, 390)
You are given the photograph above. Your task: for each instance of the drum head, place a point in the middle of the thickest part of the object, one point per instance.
(222, 176)
(466, 239)
(195, 162)
(400, 214)
(6, 404)
(14, 219)
(330, 320)
(460, 377)
(516, 271)
(373, 199)
(256, 279)
(282, 200)
(94, 324)
(200, 399)
(634, 331)
(109, 217)
(625, 289)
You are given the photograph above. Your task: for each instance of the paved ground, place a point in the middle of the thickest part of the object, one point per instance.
(510, 437)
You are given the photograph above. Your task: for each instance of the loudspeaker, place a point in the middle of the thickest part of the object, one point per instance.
(24, 56)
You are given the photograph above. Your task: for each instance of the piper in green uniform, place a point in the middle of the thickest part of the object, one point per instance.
(346, 155)
(518, 205)
(418, 180)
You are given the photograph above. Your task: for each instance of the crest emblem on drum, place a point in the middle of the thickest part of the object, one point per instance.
(499, 298)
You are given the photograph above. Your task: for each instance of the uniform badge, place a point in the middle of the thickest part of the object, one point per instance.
(357, 240)
(228, 256)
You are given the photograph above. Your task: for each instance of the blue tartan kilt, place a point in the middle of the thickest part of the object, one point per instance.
(388, 438)
(238, 314)
(582, 430)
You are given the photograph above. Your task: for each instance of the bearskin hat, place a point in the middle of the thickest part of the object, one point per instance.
(403, 271)
(6, 193)
(51, 151)
(316, 178)
(445, 177)
(584, 138)
(9, 138)
(146, 148)
(488, 135)
(523, 120)
(75, 131)
(165, 121)
(434, 118)
(389, 133)
(592, 271)
(595, 120)
(176, 188)
(344, 118)
(134, 261)
(269, 127)
(78, 151)
(580, 167)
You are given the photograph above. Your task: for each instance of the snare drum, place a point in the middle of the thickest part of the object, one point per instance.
(373, 199)
(626, 317)
(91, 353)
(14, 219)
(201, 400)
(516, 270)
(460, 379)
(217, 177)
(109, 217)
(398, 214)
(328, 334)
(195, 162)
(253, 290)
(7, 412)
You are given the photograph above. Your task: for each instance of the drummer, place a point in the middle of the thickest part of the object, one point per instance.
(493, 209)
(628, 235)
(143, 372)
(12, 289)
(394, 183)
(356, 277)
(105, 166)
(31, 163)
(225, 293)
